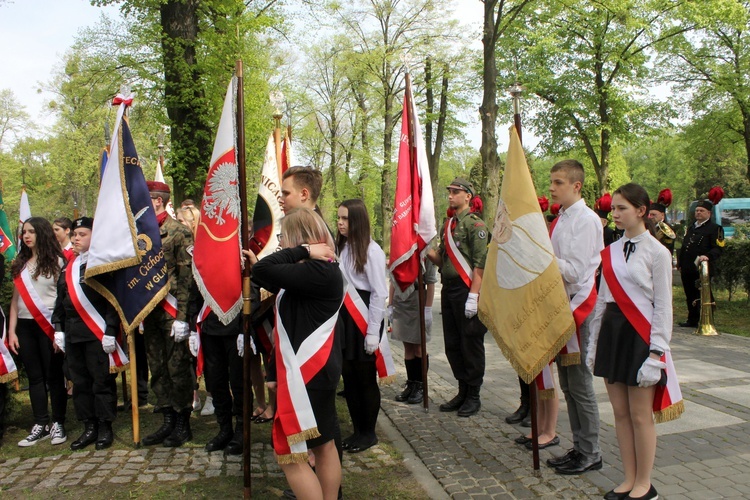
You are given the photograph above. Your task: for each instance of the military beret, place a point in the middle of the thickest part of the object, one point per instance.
(86, 222)
(461, 183)
(157, 186)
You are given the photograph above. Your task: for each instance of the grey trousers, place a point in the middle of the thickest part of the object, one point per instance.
(577, 384)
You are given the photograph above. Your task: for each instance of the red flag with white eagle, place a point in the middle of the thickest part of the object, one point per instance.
(413, 223)
(217, 261)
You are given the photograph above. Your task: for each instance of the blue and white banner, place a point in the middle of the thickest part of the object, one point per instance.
(126, 263)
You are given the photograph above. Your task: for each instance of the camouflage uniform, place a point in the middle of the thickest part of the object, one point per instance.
(464, 338)
(171, 362)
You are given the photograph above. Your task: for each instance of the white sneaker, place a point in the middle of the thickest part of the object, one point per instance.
(208, 407)
(38, 433)
(57, 433)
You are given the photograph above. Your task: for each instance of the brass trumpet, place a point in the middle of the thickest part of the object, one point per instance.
(664, 228)
(706, 323)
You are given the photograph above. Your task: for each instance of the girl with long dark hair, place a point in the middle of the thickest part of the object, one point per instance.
(363, 264)
(630, 334)
(35, 271)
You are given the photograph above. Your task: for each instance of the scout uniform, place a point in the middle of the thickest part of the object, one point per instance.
(463, 248)
(86, 318)
(166, 330)
(706, 239)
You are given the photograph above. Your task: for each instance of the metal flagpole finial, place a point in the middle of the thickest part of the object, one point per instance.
(406, 60)
(277, 100)
(515, 91)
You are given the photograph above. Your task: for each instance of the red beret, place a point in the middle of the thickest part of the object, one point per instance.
(158, 186)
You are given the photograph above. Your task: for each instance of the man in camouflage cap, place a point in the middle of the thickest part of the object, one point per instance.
(461, 256)
(169, 357)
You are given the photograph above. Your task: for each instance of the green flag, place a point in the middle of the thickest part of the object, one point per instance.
(7, 244)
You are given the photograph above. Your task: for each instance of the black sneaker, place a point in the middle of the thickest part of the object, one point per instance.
(38, 433)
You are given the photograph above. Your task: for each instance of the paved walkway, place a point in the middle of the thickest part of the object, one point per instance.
(704, 454)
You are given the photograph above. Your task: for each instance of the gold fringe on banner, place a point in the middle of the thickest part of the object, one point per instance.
(672, 412)
(387, 380)
(118, 369)
(303, 436)
(9, 376)
(546, 394)
(292, 458)
(570, 359)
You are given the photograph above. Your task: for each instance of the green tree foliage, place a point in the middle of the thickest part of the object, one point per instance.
(588, 63)
(711, 66)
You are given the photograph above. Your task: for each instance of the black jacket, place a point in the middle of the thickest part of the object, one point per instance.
(66, 319)
(211, 325)
(314, 290)
(707, 240)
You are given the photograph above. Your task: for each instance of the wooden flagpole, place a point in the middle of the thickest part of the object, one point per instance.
(247, 393)
(515, 92)
(413, 155)
(133, 389)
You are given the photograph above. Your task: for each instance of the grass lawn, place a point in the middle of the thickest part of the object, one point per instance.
(384, 481)
(729, 317)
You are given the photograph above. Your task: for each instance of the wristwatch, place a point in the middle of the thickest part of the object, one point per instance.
(657, 352)
(306, 246)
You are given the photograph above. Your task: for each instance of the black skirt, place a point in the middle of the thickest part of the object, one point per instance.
(620, 352)
(353, 342)
(323, 404)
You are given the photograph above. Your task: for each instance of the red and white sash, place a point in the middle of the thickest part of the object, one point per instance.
(359, 312)
(40, 312)
(545, 383)
(8, 370)
(295, 422)
(202, 315)
(456, 257)
(169, 304)
(639, 311)
(581, 305)
(118, 360)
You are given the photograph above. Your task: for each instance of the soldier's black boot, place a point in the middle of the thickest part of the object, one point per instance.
(408, 389)
(170, 416)
(106, 436)
(222, 439)
(417, 394)
(235, 445)
(90, 433)
(181, 433)
(472, 404)
(518, 416)
(455, 403)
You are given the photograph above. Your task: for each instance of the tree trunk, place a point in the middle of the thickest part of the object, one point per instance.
(435, 148)
(490, 182)
(386, 198)
(746, 136)
(191, 136)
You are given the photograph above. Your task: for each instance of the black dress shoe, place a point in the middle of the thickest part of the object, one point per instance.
(580, 465)
(688, 324)
(518, 415)
(526, 422)
(572, 454)
(613, 495)
(651, 494)
(552, 442)
(522, 439)
(362, 445)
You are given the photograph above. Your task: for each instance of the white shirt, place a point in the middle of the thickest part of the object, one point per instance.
(46, 287)
(577, 242)
(650, 266)
(372, 280)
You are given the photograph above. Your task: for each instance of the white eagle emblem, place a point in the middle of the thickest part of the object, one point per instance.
(223, 198)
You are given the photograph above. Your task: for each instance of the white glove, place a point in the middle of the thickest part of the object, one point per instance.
(60, 340)
(389, 313)
(241, 344)
(193, 343)
(427, 318)
(371, 343)
(180, 331)
(470, 309)
(108, 344)
(650, 372)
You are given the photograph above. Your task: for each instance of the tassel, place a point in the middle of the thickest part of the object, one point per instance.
(672, 412)
(546, 394)
(303, 436)
(387, 380)
(570, 359)
(8, 377)
(292, 458)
